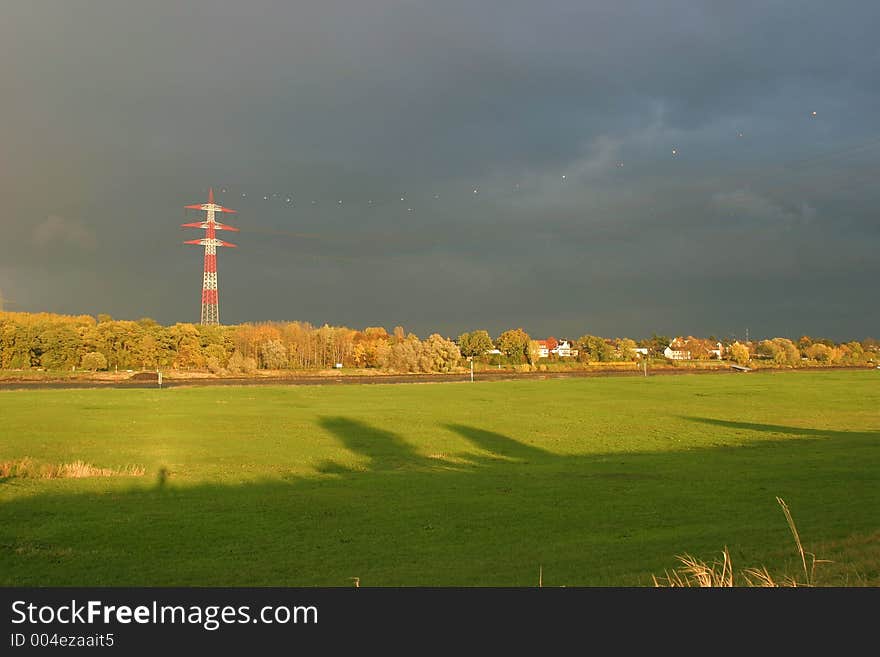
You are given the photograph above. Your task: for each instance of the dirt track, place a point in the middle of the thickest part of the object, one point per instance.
(380, 378)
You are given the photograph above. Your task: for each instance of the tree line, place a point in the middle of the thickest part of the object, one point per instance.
(64, 342)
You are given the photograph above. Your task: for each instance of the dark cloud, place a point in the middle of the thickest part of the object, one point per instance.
(562, 115)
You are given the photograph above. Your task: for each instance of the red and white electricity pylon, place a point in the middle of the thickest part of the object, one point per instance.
(210, 297)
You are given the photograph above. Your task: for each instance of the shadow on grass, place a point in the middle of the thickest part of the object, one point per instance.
(593, 520)
(383, 450)
(501, 445)
(802, 432)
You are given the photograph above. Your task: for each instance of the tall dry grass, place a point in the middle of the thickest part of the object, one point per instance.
(695, 572)
(28, 468)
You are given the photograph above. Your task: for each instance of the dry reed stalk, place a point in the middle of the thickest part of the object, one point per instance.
(28, 468)
(695, 572)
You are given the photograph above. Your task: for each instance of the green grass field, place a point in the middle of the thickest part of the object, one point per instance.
(598, 482)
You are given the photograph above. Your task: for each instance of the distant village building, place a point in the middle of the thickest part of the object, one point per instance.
(678, 349)
(676, 354)
(562, 349)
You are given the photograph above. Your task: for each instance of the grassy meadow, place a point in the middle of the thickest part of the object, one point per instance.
(595, 482)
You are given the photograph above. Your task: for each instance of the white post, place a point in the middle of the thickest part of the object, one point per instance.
(160, 378)
(472, 368)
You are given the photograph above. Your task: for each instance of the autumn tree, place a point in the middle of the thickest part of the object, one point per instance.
(404, 355)
(656, 344)
(299, 339)
(787, 352)
(343, 344)
(376, 333)
(241, 364)
(699, 348)
(534, 353)
(625, 349)
(371, 348)
(438, 354)
(739, 353)
(851, 353)
(781, 351)
(273, 355)
(819, 352)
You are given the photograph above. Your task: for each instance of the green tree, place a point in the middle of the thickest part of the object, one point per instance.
(218, 353)
(188, 352)
(475, 343)
(117, 340)
(146, 351)
(626, 349)
(592, 348)
(767, 349)
(61, 347)
(855, 353)
(94, 360)
(514, 344)
(22, 344)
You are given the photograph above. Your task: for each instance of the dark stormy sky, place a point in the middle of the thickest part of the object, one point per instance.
(570, 167)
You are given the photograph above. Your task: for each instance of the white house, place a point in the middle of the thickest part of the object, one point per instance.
(564, 349)
(676, 354)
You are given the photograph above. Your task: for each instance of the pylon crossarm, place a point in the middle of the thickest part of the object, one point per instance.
(205, 224)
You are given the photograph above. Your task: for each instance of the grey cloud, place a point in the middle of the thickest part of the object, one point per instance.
(745, 206)
(58, 231)
(123, 113)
